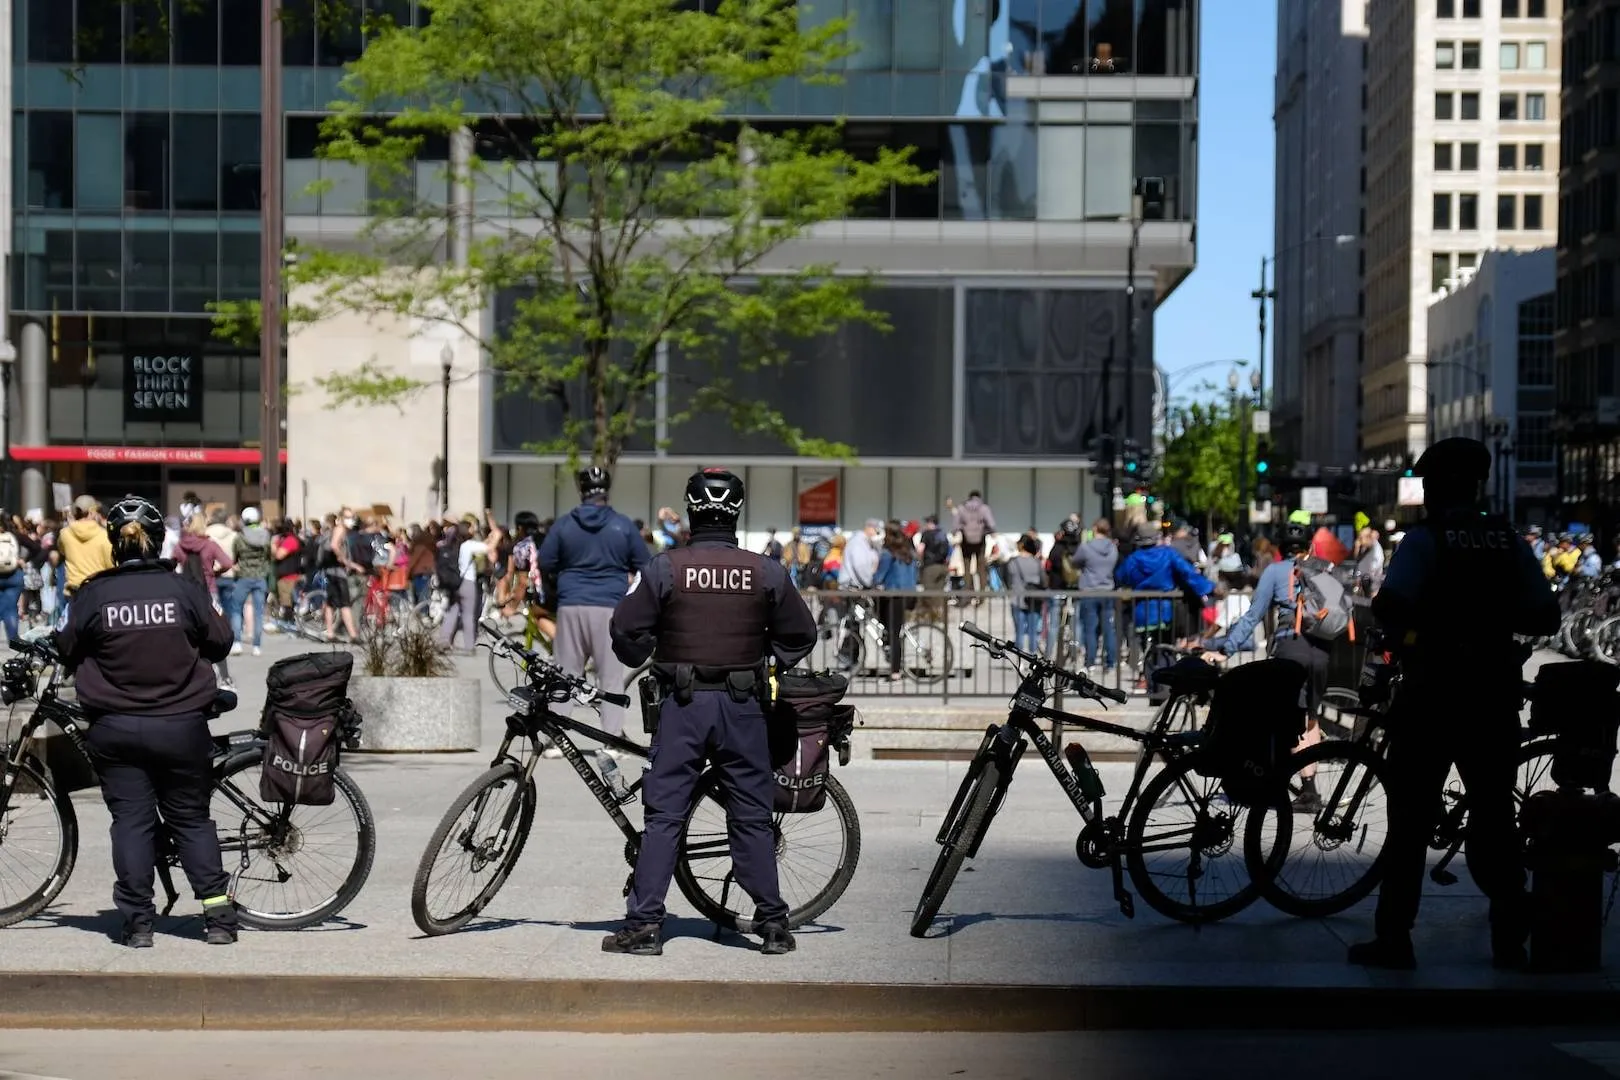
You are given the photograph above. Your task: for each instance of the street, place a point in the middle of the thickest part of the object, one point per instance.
(1160, 1055)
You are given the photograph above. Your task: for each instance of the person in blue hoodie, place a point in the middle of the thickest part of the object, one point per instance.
(594, 552)
(1156, 567)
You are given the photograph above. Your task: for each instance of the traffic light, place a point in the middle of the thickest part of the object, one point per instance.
(1131, 462)
(1262, 458)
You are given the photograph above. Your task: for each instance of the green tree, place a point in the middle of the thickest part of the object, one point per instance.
(1201, 462)
(622, 198)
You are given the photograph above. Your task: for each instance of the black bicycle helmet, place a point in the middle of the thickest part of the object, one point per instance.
(134, 510)
(714, 497)
(1070, 529)
(1295, 538)
(594, 480)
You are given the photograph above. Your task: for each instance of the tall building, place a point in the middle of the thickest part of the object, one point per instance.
(1320, 118)
(1005, 279)
(1588, 305)
(1490, 371)
(1462, 129)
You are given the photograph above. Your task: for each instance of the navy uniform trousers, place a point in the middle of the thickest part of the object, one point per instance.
(151, 765)
(732, 735)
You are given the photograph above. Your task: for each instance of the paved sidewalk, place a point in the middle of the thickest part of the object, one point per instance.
(1025, 913)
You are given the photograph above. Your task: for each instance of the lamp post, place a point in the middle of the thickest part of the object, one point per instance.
(447, 356)
(8, 359)
(1262, 294)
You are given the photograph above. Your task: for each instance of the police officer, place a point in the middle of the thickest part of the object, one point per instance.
(1460, 586)
(143, 640)
(709, 614)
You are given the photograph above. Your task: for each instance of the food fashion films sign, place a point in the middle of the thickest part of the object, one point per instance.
(163, 389)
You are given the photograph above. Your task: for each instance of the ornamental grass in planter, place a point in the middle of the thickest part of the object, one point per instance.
(411, 696)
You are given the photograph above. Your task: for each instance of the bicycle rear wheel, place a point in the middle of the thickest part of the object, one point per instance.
(816, 855)
(473, 850)
(1187, 819)
(39, 843)
(964, 837)
(1323, 860)
(926, 653)
(290, 866)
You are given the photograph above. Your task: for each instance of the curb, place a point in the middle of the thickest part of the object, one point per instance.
(299, 1003)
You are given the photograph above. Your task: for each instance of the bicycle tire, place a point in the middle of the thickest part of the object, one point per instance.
(966, 837)
(686, 878)
(1226, 829)
(941, 651)
(505, 672)
(67, 852)
(309, 619)
(1277, 891)
(433, 924)
(354, 879)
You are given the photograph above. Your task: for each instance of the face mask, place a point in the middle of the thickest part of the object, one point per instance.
(351, 522)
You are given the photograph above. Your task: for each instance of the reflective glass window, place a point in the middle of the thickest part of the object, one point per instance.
(196, 162)
(196, 32)
(146, 161)
(99, 161)
(50, 32)
(240, 42)
(239, 162)
(49, 178)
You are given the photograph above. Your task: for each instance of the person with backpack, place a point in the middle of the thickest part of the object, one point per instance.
(288, 552)
(975, 521)
(140, 640)
(1062, 576)
(17, 550)
(252, 556)
(935, 576)
(1024, 572)
(197, 557)
(1094, 562)
(341, 572)
(458, 578)
(896, 574)
(84, 548)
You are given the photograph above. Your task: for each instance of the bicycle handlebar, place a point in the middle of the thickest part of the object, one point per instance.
(543, 670)
(1080, 682)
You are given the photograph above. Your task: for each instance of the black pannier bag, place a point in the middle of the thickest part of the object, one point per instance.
(306, 718)
(1256, 717)
(1577, 703)
(807, 718)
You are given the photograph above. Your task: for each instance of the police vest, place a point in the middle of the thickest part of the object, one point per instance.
(1466, 611)
(718, 611)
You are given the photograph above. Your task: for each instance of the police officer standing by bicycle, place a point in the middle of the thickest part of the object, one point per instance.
(143, 640)
(1459, 588)
(710, 615)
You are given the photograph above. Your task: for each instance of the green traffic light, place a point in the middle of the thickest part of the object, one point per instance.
(1130, 466)
(1262, 467)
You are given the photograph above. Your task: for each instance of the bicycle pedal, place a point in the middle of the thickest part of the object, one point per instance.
(1127, 906)
(1443, 877)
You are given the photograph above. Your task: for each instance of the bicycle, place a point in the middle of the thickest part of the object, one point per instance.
(1353, 810)
(507, 673)
(488, 824)
(926, 653)
(1104, 842)
(277, 846)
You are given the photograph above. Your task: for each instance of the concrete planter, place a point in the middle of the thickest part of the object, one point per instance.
(416, 715)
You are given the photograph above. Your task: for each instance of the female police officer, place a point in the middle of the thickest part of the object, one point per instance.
(709, 614)
(143, 640)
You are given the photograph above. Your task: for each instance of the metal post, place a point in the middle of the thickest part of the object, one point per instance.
(447, 355)
(6, 487)
(1130, 327)
(1242, 528)
(270, 258)
(1262, 294)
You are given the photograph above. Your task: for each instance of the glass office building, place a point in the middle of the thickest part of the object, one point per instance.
(136, 189)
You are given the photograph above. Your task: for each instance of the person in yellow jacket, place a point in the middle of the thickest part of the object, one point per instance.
(84, 544)
(1561, 561)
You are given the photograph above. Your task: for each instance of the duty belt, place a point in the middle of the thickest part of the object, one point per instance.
(742, 684)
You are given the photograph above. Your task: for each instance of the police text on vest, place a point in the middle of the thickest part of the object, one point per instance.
(718, 579)
(141, 614)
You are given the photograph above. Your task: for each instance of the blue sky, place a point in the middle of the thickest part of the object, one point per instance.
(1211, 316)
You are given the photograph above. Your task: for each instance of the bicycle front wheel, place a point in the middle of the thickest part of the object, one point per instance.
(1323, 858)
(925, 652)
(1181, 846)
(963, 838)
(290, 866)
(816, 855)
(310, 617)
(473, 851)
(39, 843)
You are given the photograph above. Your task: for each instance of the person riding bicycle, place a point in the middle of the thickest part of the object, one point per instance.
(523, 584)
(1457, 591)
(142, 640)
(709, 614)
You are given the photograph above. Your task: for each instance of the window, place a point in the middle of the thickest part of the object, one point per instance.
(1439, 270)
(1532, 212)
(1442, 156)
(1535, 9)
(1507, 107)
(1468, 157)
(1507, 157)
(1468, 212)
(1442, 211)
(1442, 106)
(1507, 212)
(50, 161)
(1445, 9)
(1445, 54)
(1535, 56)
(1470, 105)
(1534, 156)
(1509, 56)
(1470, 9)
(1470, 56)
(1510, 9)
(1535, 106)
(1467, 258)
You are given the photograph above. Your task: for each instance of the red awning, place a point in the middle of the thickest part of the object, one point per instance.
(143, 455)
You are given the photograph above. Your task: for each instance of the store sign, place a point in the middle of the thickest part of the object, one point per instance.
(818, 498)
(162, 389)
(143, 455)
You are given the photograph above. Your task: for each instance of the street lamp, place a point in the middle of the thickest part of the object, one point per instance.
(1262, 294)
(447, 356)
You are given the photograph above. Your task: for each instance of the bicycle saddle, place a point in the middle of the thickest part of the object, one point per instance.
(1189, 675)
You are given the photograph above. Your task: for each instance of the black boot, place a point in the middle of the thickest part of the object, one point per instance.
(1308, 801)
(219, 921)
(1393, 954)
(137, 934)
(777, 940)
(644, 940)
